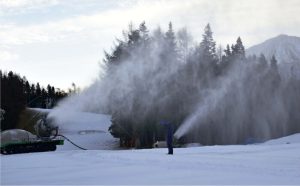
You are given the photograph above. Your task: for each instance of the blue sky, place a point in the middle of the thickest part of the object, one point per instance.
(58, 42)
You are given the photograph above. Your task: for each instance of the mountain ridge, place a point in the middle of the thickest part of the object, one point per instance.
(285, 48)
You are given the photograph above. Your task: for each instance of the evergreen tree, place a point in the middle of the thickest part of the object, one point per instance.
(274, 63)
(158, 35)
(145, 41)
(227, 57)
(238, 50)
(38, 90)
(124, 48)
(208, 46)
(27, 91)
(158, 41)
(220, 53)
(53, 91)
(49, 91)
(13, 99)
(274, 74)
(134, 38)
(170, 41)
(33, 96)
(184, 39)
(44, 97)
(227, 51)
(38, 94)
(262, 62)
(144, 32)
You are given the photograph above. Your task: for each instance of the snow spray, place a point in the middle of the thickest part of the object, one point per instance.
(245, 101)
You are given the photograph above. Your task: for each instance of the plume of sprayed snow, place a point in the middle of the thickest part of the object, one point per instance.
(229, 109)
(244, 105)
(139, 80)
(208, 105)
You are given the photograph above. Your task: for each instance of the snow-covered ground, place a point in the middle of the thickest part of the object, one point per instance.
(274, 162)
(87, 130)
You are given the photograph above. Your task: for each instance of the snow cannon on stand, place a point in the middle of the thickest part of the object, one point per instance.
(21, 141)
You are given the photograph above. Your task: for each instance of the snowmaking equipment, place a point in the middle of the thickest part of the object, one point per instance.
(21, 141)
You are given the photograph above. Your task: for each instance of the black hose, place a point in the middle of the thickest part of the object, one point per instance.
(71, 142)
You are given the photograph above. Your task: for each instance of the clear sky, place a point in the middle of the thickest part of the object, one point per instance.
(58, 42)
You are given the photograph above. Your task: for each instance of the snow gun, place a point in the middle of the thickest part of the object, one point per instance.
(15, 141)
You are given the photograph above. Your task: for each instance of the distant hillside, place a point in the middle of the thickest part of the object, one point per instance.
(286, 50)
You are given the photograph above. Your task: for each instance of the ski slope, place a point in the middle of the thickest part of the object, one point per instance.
(88, 130)
(274, 162)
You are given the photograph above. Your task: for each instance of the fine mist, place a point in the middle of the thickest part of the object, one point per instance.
(248, 105)
(211, 99)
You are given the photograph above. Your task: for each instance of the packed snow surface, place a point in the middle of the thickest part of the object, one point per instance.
(274, 162)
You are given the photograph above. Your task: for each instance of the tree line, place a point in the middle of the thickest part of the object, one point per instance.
(17, 94)
(222, 96)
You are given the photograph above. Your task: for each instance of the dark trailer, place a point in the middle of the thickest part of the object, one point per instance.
(21, 141)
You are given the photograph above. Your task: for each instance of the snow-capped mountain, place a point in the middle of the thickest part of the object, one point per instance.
(285, 48)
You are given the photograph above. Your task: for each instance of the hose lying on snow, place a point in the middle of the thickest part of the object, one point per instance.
(72, 142)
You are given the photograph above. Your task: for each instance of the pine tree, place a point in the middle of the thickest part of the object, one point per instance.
(262, 62)
(31, 102)
(53, 91)
(144, 32)
(38, 90)
(144, 40)
(208, 46)
(184, 39)
(226, 60)
(274, 63)
(118, 54)
(227, 51)
(238, 50)
(49, 91)
(43, 98)
(13, 99)
(38, 95)
(158, 41)
(167, 46)
(158, 35)
(170, 40)
(220, 53)
(274, 74)
(27, 91)
(133, 38)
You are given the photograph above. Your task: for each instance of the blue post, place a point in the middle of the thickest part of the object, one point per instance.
(169, 128)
